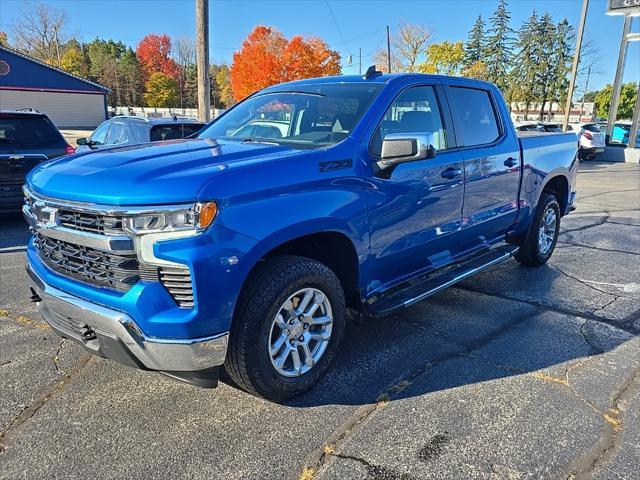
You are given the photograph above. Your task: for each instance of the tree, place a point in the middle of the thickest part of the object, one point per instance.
(223, 84)
(3, 39)
(40, 32)
(185, 58)
(546, 42)
(445, 58)
(562, 60)
(476, 70)
(309, 58)
(407, 49)
(474, 48)
(115, 66)
(628, 94)
(73, 61)
(526, 64)
(267, 58)
(161, 90)
(154, 55)
(499, 45)
(410, 43)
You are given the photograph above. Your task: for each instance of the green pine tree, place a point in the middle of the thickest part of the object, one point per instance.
(474, 47)
(525, 69)
(498, 48)
(562, 60)
(546, 43)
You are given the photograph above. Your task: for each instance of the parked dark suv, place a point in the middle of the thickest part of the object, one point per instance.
(27, 138)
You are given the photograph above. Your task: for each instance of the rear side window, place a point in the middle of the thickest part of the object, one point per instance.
(139, 131)
(28, 131)
(592, 128)
(475, 114)
(174, 131)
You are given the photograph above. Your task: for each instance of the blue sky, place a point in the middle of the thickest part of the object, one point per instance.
(354, 23)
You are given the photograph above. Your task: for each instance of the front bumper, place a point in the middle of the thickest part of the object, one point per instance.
(112, 334)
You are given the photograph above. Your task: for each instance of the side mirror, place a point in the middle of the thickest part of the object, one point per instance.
(400, 148)
(81, 141)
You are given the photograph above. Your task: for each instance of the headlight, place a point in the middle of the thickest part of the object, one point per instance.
(197, 218)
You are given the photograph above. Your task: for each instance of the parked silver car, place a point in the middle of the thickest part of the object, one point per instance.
(130, 130)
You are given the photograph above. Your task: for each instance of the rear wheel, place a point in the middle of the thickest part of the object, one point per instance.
(289, 324)
(540, 242)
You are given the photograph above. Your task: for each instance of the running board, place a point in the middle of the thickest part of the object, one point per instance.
(427, 286)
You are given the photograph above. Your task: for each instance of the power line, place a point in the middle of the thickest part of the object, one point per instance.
(337, 26)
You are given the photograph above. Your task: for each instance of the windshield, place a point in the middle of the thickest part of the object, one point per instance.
(311, 116)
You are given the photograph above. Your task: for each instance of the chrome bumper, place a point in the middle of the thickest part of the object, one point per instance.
(112, 334)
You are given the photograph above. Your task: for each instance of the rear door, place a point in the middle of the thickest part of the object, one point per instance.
(491, 155)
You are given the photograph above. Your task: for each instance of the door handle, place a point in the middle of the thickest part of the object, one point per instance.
(451, 173)
(510, 162)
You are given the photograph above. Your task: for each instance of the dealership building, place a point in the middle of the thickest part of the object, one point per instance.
(69, 101)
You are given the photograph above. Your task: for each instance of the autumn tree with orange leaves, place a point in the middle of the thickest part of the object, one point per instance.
(154, 56)
(267, 58)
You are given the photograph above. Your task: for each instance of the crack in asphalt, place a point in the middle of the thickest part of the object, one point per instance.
(625, 324)
(594, 247)
(606, 193)
(56, 357)
(8, 435)
(318, 459)
(611, 439)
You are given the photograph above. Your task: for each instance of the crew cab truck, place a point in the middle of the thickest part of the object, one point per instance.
(245, 252)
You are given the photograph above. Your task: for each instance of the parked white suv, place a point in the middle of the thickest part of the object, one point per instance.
(591, 141)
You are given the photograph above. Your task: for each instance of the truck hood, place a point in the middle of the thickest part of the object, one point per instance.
(150, 174)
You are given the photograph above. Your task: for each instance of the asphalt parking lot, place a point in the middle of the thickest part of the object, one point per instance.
(516, 373)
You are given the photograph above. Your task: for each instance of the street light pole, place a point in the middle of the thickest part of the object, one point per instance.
(388, 50)
(576, 61)
(202, 59)
(617, 84)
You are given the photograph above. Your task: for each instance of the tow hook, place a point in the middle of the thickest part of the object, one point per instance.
(35, 298)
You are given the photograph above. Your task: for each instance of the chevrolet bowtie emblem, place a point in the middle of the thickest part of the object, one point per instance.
(16, 157)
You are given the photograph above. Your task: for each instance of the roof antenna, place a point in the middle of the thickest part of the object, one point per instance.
(371, 73)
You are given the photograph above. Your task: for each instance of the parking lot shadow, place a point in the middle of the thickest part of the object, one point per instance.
(384, 359)
(14, 232)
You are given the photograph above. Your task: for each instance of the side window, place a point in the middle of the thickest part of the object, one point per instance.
(415, 110)
(475, 113)
(99, 136)
(117, 134)
(139, 131)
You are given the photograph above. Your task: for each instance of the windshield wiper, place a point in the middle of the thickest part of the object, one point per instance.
(257, 140)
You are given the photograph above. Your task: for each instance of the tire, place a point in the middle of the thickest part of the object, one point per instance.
(534, 251)
(279, 282)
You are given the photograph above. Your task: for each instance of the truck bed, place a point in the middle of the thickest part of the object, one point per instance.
(562, 146)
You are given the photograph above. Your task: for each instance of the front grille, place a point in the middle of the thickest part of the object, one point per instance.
(177, 280)
(88, 265)
(90, 222)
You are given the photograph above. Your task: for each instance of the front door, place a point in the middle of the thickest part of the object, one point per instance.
(416, 211)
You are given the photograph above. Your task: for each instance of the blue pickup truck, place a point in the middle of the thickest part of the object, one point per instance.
(245, 247)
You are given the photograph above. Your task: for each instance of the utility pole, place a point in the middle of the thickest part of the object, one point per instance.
(586, 89)
(576, 61)
(202, 59)
(635, 123)
(388, 50)
(359, 61)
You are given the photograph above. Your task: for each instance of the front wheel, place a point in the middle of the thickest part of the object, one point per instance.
(541, 240)
(288, 326)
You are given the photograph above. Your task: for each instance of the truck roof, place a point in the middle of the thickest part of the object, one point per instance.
(381, 78)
